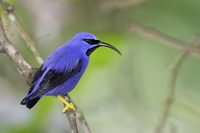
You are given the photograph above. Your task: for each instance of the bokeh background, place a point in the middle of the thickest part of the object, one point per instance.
(116, 94)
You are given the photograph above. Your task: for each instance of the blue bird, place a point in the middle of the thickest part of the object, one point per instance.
(63, 68)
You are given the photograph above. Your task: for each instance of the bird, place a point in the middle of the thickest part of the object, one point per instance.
(62, 69)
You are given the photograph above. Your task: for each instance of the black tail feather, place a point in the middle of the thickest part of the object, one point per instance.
(30, 102)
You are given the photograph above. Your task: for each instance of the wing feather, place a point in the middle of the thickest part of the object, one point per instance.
(35, 78)
(54, 78)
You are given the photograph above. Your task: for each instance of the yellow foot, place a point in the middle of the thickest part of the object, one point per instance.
(67, 104)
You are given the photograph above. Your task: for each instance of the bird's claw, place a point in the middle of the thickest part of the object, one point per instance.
(69, 106)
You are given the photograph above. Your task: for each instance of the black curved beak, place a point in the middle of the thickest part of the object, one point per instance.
(110, 46)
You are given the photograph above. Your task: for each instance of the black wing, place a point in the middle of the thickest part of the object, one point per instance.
(37, 74)
(52, 79)
(30, 103)
(35, 77)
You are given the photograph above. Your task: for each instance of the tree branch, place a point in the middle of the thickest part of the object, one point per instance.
(171, 92)
(172, 43)
(71, 115)
(29, 41)
(83, 122)
(26, 69)
(23, 67)
(79, 115)
(171, 88)
(163, 38)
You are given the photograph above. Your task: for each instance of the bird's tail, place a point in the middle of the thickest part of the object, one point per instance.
(30, 102)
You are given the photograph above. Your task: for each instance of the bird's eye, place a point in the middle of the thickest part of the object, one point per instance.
(91, 41)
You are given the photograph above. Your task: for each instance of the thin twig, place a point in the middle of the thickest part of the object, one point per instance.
(171, 42)
(171, 92)
(164, 39)
(29, 41)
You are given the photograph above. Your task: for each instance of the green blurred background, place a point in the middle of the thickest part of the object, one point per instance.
(116, 94)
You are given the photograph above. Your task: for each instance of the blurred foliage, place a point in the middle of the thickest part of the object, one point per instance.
(12, 2)
(117, 94)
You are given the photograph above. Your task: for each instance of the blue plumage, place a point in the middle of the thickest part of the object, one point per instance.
(63, 68)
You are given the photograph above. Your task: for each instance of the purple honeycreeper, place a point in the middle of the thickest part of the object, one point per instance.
(63, 68)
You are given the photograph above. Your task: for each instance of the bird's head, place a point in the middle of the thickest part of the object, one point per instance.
(88, 43)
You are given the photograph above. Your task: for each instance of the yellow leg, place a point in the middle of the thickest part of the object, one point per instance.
(67, 104)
